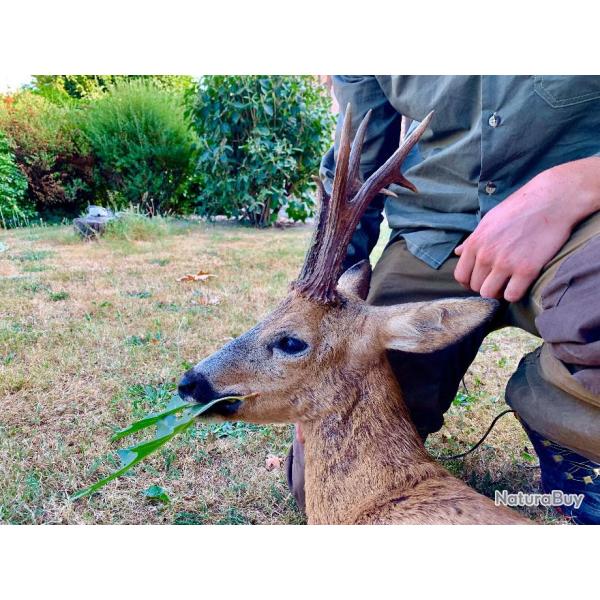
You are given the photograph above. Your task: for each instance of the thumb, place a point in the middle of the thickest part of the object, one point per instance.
(458, 250)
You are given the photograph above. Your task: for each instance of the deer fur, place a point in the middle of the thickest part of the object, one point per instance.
(365, 461)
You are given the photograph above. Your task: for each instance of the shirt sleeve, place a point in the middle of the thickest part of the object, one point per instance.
(382, 136)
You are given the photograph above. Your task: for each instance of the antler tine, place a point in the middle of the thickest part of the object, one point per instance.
(343, 185)
(340, 178)
(356, 152)
(339, 214)
(389, 172)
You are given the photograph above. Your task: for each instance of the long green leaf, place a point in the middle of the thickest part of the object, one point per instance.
(168, 426)
(174, 406)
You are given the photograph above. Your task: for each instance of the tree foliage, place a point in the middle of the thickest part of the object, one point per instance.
(49, 148)
(14, 206)
(260, 140)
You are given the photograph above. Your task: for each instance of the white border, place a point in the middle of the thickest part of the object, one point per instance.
(304, 36)
(297, 562)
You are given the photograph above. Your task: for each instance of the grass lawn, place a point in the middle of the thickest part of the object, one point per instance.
(96, 334)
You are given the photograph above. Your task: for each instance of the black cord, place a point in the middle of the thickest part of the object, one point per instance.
(463, 454)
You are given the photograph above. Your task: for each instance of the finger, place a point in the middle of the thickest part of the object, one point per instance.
(458, 250)
(493, 286)
(479, 274)
(516, 288)
(464, 267)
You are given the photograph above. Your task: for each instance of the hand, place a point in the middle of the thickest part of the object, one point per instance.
(512, 243)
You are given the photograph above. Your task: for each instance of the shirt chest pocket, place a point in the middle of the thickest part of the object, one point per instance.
(564, 90)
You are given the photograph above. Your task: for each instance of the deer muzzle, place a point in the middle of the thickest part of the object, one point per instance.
(196, 386)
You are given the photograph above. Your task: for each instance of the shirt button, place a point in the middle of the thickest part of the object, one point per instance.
(494, 120)
(490, 188)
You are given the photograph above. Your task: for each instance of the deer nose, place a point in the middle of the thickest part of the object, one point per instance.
(196, 386)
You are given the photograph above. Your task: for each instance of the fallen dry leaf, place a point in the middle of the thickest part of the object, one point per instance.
(199, 276)
(273, 462)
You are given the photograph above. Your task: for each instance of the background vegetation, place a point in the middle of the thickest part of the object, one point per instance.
(15, 210)
(142, 146)
(49, 149)
(242, 147)
(260, 140)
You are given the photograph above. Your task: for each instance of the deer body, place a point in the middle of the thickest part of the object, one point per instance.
(368, 465)
(320, 359)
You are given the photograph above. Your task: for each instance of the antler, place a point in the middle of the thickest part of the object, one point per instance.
(340, 213)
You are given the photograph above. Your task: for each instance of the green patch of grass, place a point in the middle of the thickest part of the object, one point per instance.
(144, 340)
(34, 286)
(58, 296)
(161, 262)
(149, 398)
(34, 267)
(236, 430)
(464, 400)
(168, 306)
(142, 294)
(190, 518)
(132, 225)
(32, 255)
(233, 517)
(155, 493)
(8, 358)
(33, 487)
(17, 336)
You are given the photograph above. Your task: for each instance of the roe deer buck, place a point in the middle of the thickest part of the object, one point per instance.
(320, 359)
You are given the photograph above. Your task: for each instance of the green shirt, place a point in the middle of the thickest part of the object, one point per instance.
(489, 136)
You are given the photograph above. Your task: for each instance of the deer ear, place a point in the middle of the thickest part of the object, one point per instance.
(356, 280)
(424, 327)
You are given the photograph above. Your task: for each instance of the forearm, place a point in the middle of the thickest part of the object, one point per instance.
(515, 239)
(581, 181)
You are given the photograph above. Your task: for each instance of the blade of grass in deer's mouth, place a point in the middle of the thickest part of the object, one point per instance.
(168, 425)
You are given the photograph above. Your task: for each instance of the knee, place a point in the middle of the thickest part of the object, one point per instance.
(570, 317)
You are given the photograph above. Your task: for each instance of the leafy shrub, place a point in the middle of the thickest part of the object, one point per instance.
(260, 142)
(142, 143)
(15, 209)
(49, 148)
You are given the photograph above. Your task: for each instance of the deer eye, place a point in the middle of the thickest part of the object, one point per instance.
(290, 345)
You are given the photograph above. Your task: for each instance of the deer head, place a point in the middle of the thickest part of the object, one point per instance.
(305, 358)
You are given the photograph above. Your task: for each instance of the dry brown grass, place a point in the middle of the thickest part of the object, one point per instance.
(95, 334)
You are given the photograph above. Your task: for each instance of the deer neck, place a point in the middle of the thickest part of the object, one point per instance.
(363, 452)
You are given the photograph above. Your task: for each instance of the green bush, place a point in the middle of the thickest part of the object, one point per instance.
(140, 138)
(49, 148)
(260, 142)
(15, 209)
(58, 87)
